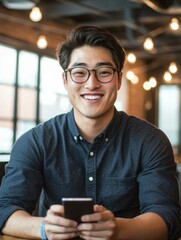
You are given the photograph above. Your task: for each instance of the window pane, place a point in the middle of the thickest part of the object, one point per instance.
(51, 76)
(24, 126)
(4, 157)
(28, 69)
(168, 112)
(26, 104)
(6, 101)
(7, 64)
(52, 104)
(6, 136)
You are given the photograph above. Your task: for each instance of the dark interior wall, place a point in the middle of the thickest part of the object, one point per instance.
(2, 170)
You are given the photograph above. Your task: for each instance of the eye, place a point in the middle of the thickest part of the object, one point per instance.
(79, 72)
(104, 72)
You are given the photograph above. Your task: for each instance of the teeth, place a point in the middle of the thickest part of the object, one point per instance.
(92, 97)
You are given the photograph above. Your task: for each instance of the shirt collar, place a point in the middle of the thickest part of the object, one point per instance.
(113, 126)
(72, 126)
(106, 134)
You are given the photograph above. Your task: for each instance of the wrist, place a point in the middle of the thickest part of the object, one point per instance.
(42, 231)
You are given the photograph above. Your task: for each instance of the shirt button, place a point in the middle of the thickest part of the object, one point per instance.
(107, 139)
(91, 179)
(80, 138)
(91, 153)
(75, 138)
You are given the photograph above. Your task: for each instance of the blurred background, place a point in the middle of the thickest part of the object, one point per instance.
(31, 88)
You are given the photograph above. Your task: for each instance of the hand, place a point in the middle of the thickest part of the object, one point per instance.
(57, 227)
(99, 225)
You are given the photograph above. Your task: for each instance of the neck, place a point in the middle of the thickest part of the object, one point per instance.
(90, 128)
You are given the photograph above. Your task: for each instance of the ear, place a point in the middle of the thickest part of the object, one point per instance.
(120, 75)
(64, 76)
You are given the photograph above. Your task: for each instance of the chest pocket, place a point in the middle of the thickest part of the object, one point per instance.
(118, 194)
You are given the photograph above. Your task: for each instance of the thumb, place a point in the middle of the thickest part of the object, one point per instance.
(99, 208)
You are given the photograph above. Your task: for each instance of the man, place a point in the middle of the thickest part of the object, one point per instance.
(124, 163)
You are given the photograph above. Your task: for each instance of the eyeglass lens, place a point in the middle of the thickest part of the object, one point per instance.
(103, 74)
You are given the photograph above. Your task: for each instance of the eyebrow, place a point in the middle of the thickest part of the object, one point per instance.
(99, 64)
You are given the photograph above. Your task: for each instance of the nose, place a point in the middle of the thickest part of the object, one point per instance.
(92, 82)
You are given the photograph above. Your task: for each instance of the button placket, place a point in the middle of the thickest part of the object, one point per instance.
(91, 175)
(91, 154)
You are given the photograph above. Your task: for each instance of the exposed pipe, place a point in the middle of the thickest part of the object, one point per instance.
(174, 10)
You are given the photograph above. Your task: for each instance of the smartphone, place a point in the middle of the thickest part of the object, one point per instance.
(75, 208)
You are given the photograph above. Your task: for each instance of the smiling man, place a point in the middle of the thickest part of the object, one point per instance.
(92, 80)
(125, 164)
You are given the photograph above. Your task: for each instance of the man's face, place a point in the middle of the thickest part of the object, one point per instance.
(92, 99)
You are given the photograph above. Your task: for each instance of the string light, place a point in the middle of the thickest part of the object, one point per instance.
(135, 80)
(173, 68)
(152, 82)
(131, 58)
(35, 14)
(42, 42)
(148, 44)
(146, 86)
(132, 77)
(167, 76)
(174, 24)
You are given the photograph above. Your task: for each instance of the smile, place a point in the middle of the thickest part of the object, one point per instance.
(92, 97)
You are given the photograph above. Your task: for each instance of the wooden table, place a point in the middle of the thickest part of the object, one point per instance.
(6, 237)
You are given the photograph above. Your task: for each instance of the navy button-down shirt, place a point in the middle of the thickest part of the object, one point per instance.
(129, 168)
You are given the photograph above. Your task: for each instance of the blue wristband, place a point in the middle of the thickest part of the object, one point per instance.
(42, 231)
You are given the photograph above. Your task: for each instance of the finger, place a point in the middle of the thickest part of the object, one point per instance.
(57, 209)
(60, 229)
(98, 231)
(62, 236)
(99, 226)
(99, 208)
(55, 216)
(96, 234)
(60, 221)
(60, 232)
(98, 216)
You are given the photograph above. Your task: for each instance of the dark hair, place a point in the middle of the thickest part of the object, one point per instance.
(91, 36)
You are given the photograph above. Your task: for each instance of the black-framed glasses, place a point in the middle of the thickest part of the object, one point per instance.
(82, 74)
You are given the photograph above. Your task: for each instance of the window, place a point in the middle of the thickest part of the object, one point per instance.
(53, 96)
(27, 69)
(7, 64)
(31, 91)
(169, 120)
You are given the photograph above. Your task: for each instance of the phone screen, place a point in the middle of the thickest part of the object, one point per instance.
(75, 208)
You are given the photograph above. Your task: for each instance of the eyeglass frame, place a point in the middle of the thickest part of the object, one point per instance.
(89, 73)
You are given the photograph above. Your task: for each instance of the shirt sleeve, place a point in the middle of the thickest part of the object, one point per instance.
(22, 183)
(158, 186)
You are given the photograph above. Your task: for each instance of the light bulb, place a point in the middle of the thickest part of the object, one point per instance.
(42, 42)
(173, 67)
(152, 82)
(35, 14)
(174, 24)
(167, 76)
(131, 58)
(148, 44)
(130, 75)
(135, 80)
(146, 86)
